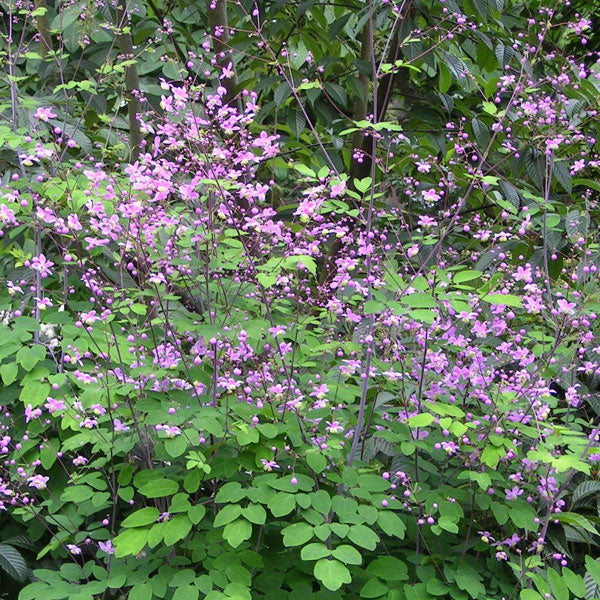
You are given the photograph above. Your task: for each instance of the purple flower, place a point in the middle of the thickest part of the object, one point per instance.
(514, 493)
(42, 265)
(106, 547)
(38, 481)
(269, 465)
(44, 114)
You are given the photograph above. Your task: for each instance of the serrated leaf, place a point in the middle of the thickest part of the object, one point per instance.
(12, 562)
(584, 490)
(560, 170)
(535, 166)
(336, 92)
(297, 122)
(481, 132)
(504, 54)
(282, 93)
(457, 67)
(482, 7)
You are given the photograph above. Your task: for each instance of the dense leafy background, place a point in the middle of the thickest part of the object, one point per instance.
(300, 300)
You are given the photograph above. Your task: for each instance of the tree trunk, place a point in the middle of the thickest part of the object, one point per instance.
(132, 83)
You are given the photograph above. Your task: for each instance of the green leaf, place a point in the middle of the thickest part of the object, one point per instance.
(34, 591)
(391, 524)
(138, 309)
(297, 534)
(504, 54)
(230, 492)
(464, 276)
(419, 300)
(269, 430)
(8, 372)
(448, 524)
(12, 562)
(65, 17)
(281, 504)
(558, 585)
(529, 595)
(140, 591)
(592, 587)
(48, 454)
(590, 183)
(314, 551)
(373, 589)
(29, 357)
(227, 514)
(332, 574)
(77, 493)
(577, 520)
(196, 513)
(317, 461)
(373, 483)
(363, 536)
(560, 170)
(296, 122)
(593, 568)
(282, 93)
(389, 568)
(505, 299)
(347, 554)
(469, 580)
(186, 592)
(130, 542)
(362, 185)
(444, 81)
(321, 501)
(574, 582)
(585, 489)
(336, 92)
(456, 66)
(158, 488)
(176, 529)
(308, 262)
(255, 513)
(421, 420)
(176, 446)
(141, 517)
(237, 532)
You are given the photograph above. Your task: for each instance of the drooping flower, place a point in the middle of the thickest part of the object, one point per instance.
(38, 481)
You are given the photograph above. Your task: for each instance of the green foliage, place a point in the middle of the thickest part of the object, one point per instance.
(197, 490)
